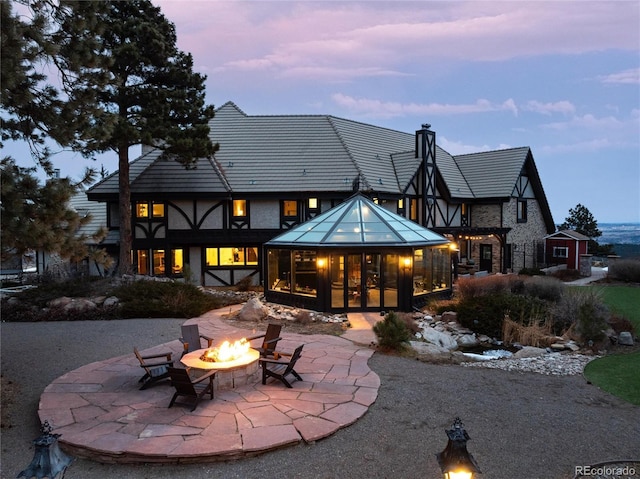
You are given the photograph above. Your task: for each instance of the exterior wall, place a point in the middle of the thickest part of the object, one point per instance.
(264, 214)
(524, 237)
(211, 213)
(487, 216)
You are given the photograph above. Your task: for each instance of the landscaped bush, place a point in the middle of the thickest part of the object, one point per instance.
(567, 275)
(544, 287)
(473, 287)
(582, 310)
(531, 272)
(537, 333)
(153, 299)
(627, 270)
(392, 332)
(485, 314)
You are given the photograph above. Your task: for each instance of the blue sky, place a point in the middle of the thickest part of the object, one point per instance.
(562, 77)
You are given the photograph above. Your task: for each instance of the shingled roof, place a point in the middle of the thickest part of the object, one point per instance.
(315, 153)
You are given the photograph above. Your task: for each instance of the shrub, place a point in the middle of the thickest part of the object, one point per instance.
(531, 272)
(392, 332)
(582, 310)
(544, 287)
(567, 275)
(303, 316)
(244, 284)
(154, 299)
(485, 314)
(534, 334)
(410, 322)
(627, 270)
(473, 287)
(620, 324)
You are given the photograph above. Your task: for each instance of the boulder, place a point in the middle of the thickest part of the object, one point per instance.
(529, 352)
(467, 340)
(110, 302)
(439, 338)
(253, 310)
(428, 348)
(81, 305)
(625, 338)
(449, 316)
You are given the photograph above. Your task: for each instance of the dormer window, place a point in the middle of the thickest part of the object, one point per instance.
(239, 208)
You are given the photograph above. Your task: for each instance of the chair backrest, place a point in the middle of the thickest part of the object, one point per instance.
(139, 356)
(191, 335)
(292, 361)
(273, 332)
(182, 382)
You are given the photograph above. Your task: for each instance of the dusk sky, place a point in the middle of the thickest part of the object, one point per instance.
(561, 77)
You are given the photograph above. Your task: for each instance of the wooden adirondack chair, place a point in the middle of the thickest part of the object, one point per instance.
(190, 388)
(269, 341)
(191, 338)
(280, 367)
(154, 371)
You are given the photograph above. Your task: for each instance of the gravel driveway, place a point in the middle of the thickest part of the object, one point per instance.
(522, 425)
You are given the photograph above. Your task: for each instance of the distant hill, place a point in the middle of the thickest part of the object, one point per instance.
(627, 251)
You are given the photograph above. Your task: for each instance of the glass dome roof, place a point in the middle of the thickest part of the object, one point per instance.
(358, 221)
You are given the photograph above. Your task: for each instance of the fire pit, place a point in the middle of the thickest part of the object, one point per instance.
(237, 363)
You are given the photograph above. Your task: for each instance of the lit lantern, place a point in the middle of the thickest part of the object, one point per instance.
(455, 461)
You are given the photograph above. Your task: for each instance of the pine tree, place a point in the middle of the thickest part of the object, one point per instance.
(582, 221)
(124, 83)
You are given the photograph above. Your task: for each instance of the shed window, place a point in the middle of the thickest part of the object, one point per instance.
(560, 252)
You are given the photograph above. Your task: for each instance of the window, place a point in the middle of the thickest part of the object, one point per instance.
(143, 209)
(290, 209)
(177, 261)
(239, 208)
(157, 210)
(413, 210)
(560, 252)
(158, 262)
(464, 214)
(400, 209)
(231, 256)
(522, 211)
(142, 261)
(313, 203)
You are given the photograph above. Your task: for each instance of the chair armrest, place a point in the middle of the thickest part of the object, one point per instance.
(208, 339)
(257, 336)
(272, 361)
(163, 355)
(153, 365)
(273, 340)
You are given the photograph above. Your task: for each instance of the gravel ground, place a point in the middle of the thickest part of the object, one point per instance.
(522, 424)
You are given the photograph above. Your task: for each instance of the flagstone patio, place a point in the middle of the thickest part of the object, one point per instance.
(101, 414)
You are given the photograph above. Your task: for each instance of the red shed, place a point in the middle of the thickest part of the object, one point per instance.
(565, 247)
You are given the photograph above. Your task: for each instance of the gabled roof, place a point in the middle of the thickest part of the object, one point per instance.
(492, 174)
(358, 222)
(568, 234)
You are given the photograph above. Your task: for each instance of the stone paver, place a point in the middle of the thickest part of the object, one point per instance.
(101, 414)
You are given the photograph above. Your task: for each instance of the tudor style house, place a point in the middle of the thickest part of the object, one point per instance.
(272, 173)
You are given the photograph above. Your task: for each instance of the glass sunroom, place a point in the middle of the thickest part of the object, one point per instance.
(358, 256)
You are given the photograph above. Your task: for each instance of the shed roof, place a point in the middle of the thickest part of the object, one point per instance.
(568, 234)
(358, 222)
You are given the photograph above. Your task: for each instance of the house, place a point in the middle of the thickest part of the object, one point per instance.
(564, 247)
(273, 173)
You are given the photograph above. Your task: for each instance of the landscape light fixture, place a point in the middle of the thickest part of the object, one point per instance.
(48, 459)
(455, 461)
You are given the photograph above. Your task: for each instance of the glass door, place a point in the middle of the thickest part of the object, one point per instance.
(354, 272)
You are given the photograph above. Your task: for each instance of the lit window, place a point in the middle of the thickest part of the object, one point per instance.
(401, 204)
(290, 208)
(177, 261)
(142, 210)
(158, 210)
(158, 262)
(211, 256)
(239, 208)
(142, 258)
(413, 213)
(313, 203)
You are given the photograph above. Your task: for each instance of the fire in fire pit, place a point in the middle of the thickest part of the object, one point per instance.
(226, 352)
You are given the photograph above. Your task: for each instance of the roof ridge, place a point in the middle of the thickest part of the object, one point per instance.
(492, 151)
(346, 148)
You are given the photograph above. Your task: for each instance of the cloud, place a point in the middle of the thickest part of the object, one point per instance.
(458, 148)
(626, 77)
(564, 107)
(388, 109)
(587, 121)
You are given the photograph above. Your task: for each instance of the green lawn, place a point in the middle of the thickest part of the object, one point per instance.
(619, 374)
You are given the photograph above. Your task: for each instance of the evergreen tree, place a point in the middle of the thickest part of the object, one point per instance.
(36, 216)
(581, 220)
(124, 83)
